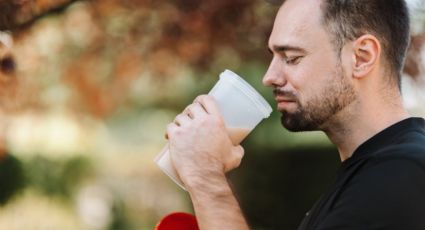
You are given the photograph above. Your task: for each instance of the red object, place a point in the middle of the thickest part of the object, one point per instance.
(178, 221)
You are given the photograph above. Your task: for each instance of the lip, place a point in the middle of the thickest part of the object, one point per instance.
(284, 103)
(280, 99)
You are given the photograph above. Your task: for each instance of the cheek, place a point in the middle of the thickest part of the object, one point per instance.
(300, 77)
(311, 79)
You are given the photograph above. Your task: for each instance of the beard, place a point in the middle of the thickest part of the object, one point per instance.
(337, 94)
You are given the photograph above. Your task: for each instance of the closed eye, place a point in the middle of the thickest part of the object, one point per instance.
(293, 60)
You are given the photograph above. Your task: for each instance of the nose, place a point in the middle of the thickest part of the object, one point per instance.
(275, 76)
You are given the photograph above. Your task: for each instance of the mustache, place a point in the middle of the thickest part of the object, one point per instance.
(284, 93)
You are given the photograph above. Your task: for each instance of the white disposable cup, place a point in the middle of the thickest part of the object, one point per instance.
(241, 108)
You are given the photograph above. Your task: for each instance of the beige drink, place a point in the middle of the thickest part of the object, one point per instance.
(237, 134)
(241, 108)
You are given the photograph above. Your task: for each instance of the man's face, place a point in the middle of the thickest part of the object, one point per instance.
(310, 82)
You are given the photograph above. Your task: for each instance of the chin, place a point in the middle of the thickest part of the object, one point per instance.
(297, 123)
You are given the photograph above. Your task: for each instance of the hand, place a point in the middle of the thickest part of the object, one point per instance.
(200, 146)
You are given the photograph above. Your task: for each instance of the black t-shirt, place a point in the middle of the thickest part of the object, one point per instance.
(382, 186)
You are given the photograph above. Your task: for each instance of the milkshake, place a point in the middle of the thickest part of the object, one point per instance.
(237, 134)
(241, 108)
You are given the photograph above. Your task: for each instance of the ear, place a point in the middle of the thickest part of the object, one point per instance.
(366, 55)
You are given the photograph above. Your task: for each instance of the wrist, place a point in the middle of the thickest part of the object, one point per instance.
(211, 183)
(197, 178)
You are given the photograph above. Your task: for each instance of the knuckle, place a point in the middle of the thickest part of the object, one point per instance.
(179, 117)
(169, 130)
(209, 99)
(189, 107)
(170, 127)
(202, 98)
(198, 98)
(173, 130)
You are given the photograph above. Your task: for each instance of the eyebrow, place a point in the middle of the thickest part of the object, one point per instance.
(285, 48)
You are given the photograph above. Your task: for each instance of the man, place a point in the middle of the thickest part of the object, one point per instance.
(336, 67)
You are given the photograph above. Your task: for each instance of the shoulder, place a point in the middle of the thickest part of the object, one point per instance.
(395, 173)
(387, 193)
(396, 168)
(408, 154)
(407, 145)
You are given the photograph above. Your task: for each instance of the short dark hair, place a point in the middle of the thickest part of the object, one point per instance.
(387, 20)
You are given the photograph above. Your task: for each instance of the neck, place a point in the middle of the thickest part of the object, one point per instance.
(365, 119)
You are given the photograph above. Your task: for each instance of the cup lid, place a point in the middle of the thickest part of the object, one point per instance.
(249, 91)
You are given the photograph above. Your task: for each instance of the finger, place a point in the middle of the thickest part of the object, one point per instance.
(209, 104)
(188, 112)
(197, 110)
(171, 127)
(235, 158)
(182, 119)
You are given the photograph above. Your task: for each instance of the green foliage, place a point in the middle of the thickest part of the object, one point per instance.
(57, 177)
(120, 220)
(12, 179)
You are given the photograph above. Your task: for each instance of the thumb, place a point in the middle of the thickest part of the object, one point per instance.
(234, 160)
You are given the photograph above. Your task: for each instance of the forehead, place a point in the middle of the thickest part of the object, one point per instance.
(297, 22)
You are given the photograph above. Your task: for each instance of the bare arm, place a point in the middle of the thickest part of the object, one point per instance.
(202, 152)
(216, 206)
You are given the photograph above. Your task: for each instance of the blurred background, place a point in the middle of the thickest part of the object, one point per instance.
(87, 88)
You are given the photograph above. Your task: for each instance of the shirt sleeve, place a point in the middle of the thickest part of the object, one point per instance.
(387, 194)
